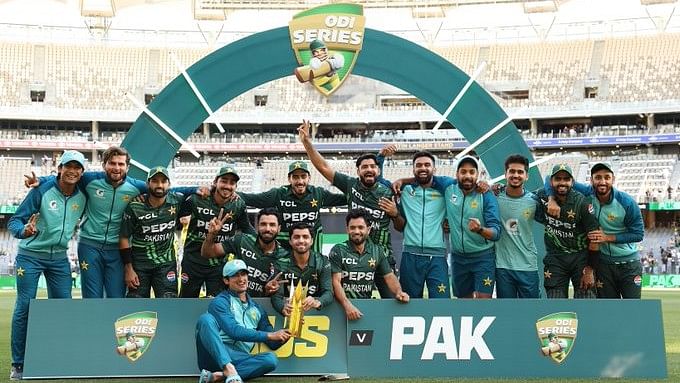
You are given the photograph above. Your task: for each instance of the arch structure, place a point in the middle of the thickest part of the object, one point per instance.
(266, 56)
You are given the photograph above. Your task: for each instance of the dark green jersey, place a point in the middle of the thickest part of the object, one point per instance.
(261, 267)
(359, 270)
(294, 209)
(151, 230)
(202, 211)
(317, 274)
(360, 197)
(567, 234)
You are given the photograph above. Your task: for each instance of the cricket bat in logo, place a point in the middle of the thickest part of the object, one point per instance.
(134, 333)
(557, 334)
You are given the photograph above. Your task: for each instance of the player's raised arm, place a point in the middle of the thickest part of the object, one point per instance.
(317, 160)
(209, 248)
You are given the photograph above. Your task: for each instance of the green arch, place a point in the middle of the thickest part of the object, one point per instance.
(266, 56)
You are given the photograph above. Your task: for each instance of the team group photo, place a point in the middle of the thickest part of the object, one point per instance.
(365, 190)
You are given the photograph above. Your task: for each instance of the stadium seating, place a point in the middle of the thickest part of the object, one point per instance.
(95, 76)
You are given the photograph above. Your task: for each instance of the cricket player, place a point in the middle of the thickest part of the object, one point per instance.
(197, 270)
(322, 68)
(516, 253)
(297, 202)
(262, 253)
(423, 259)
(147, 236)
(619, 272)
(554, 347)
(131, 345)
(475, 225)
(357, 262)
(227, 333)
(305, 266)
(569, 257)
(108, 192)
(365, 192)
(44, 222)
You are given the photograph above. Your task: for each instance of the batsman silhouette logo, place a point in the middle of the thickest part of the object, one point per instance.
(326, 41)
(557, 334)
(134, 333)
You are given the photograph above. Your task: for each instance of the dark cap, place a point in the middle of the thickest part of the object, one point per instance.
(158, 170)
(295, 165)
(228, 169)
(467, 160)
(561, 168)
(601, 166)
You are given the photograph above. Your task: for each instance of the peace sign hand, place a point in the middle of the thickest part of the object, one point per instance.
(30, 228)
(216, 223)
(303, 131)
(31, 181)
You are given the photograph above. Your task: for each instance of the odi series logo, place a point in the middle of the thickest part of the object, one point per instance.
(557, 334)
(134, 333)
(327, 41)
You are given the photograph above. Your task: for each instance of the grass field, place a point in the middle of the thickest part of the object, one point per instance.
(671, 314)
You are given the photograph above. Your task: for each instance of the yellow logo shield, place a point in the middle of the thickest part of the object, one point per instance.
(557, 334)
(326, 41)
(134, 333)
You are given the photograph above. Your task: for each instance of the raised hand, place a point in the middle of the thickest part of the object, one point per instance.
(30, 227)
(216, 223)
(273, 286)
(388, 150)
(31, 181)
(303, 131)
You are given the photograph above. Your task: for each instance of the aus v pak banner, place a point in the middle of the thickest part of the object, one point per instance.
(327, 41)
(497, 339)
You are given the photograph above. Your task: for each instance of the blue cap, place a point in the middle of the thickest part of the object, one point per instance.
(72, 155)
(232, 267)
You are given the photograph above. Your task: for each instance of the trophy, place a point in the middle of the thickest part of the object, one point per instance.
(296, 297)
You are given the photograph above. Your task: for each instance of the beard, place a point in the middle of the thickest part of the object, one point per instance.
(158, 192)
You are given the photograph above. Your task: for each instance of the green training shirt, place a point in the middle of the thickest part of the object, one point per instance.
(202, 211)
(151, 230)
(360, 197)
(359, 270)
(261, 267)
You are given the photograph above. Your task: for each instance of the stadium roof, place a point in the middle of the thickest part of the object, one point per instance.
(427, 22)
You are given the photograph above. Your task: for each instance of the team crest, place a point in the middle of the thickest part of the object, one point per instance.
(557, 334)
(327, 41)
(134, 333)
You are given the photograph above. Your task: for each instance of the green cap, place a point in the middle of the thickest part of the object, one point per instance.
(228, 169)
(316, 44)
(561, 168)
(601, 166)
(158, 170)
(295, 165)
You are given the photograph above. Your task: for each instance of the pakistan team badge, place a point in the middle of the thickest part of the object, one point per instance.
(557, 334)
(327, 41)
(134, 333)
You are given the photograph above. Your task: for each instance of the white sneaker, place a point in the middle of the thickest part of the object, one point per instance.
(16, 373)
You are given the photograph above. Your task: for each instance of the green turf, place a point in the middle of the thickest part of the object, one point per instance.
(671, 314)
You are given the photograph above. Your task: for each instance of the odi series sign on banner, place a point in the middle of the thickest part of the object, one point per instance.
(508, 338)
